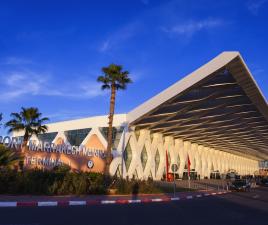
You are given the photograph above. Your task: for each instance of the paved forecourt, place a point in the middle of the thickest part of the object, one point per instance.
(250, 208)
(24, 201)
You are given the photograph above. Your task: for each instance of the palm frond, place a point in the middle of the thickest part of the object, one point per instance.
(28, 120)
(8, 158)
(105, 86)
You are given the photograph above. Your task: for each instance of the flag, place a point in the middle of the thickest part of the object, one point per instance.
(166, 165)
(189, 165)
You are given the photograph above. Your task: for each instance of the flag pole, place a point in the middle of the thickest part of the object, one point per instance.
(166, 165)
(189, 171)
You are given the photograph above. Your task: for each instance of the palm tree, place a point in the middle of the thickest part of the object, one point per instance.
(114, 79)
(8, 158)
(28, 120)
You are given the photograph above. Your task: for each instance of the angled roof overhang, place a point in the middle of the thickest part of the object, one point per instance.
(219, 105)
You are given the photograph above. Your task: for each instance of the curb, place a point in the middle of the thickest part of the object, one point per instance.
(104, 202)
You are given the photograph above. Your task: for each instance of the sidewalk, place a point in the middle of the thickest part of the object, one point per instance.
(14, 201)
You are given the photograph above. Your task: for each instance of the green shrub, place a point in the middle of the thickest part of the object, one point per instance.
(125, 186)
(62, 181)
(55, 182)
(8, 157)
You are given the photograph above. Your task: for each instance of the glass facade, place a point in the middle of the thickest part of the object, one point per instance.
(116, 135)
(76, 137)
(157, 160)
(178, 161)
(128, 156)
(169, 159)
(47, 137)
(118, 171)
(144, 157)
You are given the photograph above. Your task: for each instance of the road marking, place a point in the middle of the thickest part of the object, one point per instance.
(121, 201)
(134, 201)
(93, 202)
(108, 202)
(8, 204)
(77, 202)
(118, 201)
(27, 204)
(47, 203)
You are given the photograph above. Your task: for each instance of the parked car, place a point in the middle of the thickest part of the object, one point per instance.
(240, 185)
(264, 182)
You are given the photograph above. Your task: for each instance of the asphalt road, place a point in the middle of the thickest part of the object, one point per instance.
(230, 209)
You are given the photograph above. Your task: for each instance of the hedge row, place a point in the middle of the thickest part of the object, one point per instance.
(61, 181)
(125, 186)
(51, 182)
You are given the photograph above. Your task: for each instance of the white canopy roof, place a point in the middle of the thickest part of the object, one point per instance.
(218, 105)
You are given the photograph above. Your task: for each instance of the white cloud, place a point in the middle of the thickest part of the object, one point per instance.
(255, 5)
(104, 46)
(27, 83)
(119, 36)
(66, 114)
(91, 89)
(16, 61)
(16, 84)
(188, 29)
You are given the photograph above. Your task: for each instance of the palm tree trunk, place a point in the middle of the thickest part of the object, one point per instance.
(110, 130)
(24, 143)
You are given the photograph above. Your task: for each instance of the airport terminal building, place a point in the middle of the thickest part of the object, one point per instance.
(216, 116)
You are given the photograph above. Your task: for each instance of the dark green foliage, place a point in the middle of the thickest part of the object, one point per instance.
(28, 120)
(136, 186)
(61, 181)
(57, 182)
(8, 157)
(114, 76)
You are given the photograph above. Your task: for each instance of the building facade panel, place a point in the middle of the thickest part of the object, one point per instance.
(216, 116)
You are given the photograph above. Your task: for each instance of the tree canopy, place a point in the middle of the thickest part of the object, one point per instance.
(114, 76)
(28, 120)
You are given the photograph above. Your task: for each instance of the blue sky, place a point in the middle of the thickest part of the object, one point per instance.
(53, 51)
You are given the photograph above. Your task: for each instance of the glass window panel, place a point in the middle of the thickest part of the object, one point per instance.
(47, 137)
(128, 156)
(157, 160)
(116, 135)
(76, 137)
(144, 157)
